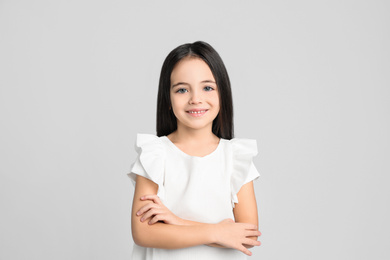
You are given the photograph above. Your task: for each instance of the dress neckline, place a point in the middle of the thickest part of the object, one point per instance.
(170, 143)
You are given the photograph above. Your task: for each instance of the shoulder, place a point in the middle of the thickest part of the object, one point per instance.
(150, 147)
(151, 159)
(243, 169)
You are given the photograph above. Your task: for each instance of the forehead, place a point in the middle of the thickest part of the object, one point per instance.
(191, 69)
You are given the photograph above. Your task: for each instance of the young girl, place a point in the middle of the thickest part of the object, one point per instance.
(194, 196)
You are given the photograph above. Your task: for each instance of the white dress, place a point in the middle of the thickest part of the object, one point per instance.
(202, 189)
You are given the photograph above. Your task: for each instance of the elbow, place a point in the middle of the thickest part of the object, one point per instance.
(139, 237)
(143, 234)
(136, 238)
(138, 241)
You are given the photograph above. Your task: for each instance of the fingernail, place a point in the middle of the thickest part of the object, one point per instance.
(142, 219)
(142, 197)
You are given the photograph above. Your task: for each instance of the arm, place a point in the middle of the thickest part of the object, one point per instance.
(150, 236)
(245, 211)
(161, 235)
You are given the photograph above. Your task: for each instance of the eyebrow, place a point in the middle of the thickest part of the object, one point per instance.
(185, 83)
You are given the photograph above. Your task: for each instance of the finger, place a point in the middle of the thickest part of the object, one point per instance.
(154, 220)
(245, 250)
(152, 197)
(251, 242)
(145, 208)
(250, 226)
(252, 233)
(150, 213)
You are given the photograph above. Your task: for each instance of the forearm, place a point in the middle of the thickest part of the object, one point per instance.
(194, 223)
(189, 222)
(156, 213)
(169, 236)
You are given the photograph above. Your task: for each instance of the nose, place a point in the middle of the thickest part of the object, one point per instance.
(195, 98)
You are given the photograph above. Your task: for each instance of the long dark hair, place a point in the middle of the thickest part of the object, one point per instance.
(166, 120)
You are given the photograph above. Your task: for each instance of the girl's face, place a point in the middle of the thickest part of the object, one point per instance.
(194, 94)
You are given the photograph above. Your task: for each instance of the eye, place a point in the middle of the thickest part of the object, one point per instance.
(208, 88)
(181, 90)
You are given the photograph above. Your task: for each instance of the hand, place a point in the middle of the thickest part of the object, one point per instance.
(157, 211)
(235, 235)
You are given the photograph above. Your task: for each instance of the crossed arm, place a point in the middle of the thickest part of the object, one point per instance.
(148, 229)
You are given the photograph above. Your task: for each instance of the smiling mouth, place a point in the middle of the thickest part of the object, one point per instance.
(197, 113)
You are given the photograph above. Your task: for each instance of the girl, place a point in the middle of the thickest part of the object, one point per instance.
(194, 178)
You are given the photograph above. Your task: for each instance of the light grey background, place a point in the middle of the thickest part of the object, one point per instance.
(310, 82)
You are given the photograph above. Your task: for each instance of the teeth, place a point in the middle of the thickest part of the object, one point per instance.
(196, 112)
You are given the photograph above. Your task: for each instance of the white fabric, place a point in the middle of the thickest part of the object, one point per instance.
(202, 189)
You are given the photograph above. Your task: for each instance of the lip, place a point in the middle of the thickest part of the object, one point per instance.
(197, 112)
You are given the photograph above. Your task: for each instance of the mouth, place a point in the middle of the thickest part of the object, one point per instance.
(197, 112)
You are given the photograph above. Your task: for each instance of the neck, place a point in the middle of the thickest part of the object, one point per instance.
(193, 135)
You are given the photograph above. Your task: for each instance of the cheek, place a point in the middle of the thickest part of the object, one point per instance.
(216, 100)
(176, 103)
(173, 101)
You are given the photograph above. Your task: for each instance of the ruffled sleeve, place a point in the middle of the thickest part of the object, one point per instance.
(150, 162)
(243, 168)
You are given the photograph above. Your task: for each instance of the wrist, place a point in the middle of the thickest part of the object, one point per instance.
(213, 234)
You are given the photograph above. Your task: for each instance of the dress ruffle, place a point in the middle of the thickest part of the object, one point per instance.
(243, 169)
(151, 161)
